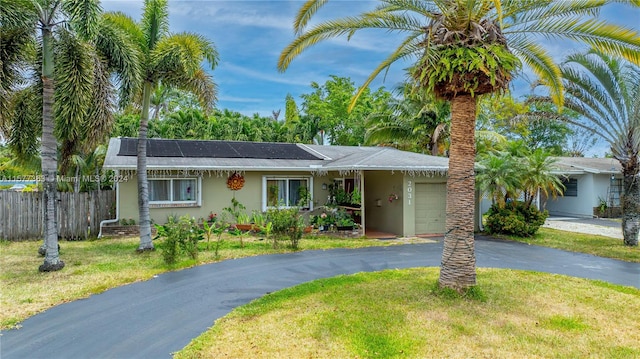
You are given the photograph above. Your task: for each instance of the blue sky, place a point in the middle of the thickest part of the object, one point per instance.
(250, 35)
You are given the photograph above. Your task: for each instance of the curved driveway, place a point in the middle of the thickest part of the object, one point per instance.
(152, 319)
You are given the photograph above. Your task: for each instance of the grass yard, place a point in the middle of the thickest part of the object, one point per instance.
(583, 243)
(97, 265)
(401, 314)
(94, 266)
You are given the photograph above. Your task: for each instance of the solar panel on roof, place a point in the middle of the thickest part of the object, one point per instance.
(216, 149)
(164, 148)
(127, 147)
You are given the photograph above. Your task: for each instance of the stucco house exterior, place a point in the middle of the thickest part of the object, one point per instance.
(403, 193)
(588, 181)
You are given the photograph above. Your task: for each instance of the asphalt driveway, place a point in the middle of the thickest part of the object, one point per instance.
(152, 319)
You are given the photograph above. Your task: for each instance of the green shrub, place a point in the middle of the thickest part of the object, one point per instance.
(286, 223)
(516, 218)
(180, 236)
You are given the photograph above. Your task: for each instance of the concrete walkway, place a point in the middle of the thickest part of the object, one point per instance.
(152, 319)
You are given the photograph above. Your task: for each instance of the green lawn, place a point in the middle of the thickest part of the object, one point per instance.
(583, 243)
(402, 314)
(97, 265)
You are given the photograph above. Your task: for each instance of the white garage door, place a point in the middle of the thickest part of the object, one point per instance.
(430, 207)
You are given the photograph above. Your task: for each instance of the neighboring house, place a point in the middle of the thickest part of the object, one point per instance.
(588, 181)
(403, 193)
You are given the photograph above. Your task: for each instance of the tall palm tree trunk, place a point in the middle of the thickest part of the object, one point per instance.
(52, 260)
(630, 202)
(458, 268)
(143, 185)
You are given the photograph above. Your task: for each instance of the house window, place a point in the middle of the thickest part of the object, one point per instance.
(615, 192)
(286, 191)
(571, 187)
(173, 190)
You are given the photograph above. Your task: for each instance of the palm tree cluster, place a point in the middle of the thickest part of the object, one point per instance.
(515, 172)
(77, 55)
(74, 55)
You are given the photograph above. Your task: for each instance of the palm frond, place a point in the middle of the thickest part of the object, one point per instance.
(599, 87)
(604, 91)
(155, 22)
(608, 38)
(26, 109)
(127, 25)
(307, 10)
(100, 119)
(83, 15)
(74, 85)
(523, 14)
(16, 52)
(179, 54)
(122, 58)
(18, 13)
(202, 85)
(420, 7)
(331, 29)
(407, 48)
(542, 64)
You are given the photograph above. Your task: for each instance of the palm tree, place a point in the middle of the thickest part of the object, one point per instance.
(515, 171)
(499, 175)
(77, 62)
(173, 60)
(414, 116)
(462, 49)
(606, 92)
(538, 176)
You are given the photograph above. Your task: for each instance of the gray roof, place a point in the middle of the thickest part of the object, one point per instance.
(581, 165)
(329, 158)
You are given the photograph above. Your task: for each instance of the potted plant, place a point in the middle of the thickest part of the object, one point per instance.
(342, 197)
(344, 224)
(343, 220)
(304, 197)
(236, 213)
(272, 195)
(243, 222)
(356, 198)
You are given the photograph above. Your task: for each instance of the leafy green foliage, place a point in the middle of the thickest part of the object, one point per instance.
(415, 121)
(327, 109)
(515, 218)
(324, 115)
(181, 236)
(515, 171)
(214, 227)
(286, 223)
(235, 212)
(462, 69)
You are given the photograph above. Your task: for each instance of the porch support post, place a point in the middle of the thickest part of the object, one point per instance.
(362, 202)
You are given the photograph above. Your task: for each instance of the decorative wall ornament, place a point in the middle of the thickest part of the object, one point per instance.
(235, 182)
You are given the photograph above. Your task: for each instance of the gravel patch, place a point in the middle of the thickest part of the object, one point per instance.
(574, 226)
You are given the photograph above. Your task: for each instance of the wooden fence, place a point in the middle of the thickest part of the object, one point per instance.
(79, 214)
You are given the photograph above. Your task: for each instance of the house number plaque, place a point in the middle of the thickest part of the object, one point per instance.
(409, 192)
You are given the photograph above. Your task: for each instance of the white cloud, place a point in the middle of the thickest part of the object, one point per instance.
(234, 13)
(240, 99)
(254, 74)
